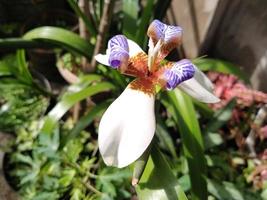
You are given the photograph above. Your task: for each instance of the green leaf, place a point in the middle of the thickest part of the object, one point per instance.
(23, 71)
(85, 121)
(212, 140)
(224, 191)
(130, 16)
(70, 100)
(217, 65)
(89, 25)
(5, 65)
(164, 136)
(221, 117)
(15, 43)
(158, 181)
(17, 66)
(205, 111)
(145, 19)
(182, 110)
(62, 37)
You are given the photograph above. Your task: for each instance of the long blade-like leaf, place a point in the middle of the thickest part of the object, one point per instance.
(16, 43)
(182, 109)
(130, 12)
(69, 100)
(145, 18)
(206, 64)
(23, 71)
(59, 36)
(89, 25)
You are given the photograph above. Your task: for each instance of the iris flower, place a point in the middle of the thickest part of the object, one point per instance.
(127, 127)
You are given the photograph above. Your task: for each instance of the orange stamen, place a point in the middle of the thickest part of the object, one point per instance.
(137, 66)
(145, 85)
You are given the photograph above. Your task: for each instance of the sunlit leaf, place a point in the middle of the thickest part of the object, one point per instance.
(158, 181)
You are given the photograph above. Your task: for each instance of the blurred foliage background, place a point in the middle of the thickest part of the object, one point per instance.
(53, 93)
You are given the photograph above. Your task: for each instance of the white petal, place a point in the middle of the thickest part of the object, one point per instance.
(203, 79)
(102, 58)
(127, 128)
(134, 48)
(198, 91)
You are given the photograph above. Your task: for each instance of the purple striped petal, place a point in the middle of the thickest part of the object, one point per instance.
(179, 72)
(173, 34)
(156, 30)
(170, 37)
(118, 50)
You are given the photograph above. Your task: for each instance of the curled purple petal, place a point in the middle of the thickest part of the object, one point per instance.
(179, 72)
(173, 34)
(156, 30)
(118, 41)
(118, 58)
(169, 34)
(118, 50)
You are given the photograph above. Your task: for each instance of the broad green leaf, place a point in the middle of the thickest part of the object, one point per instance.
(183, 112)
(206, 64)
(145, 19)
(89, 25)
(62, 37)
(158, 181)
(130, 16)
(70, 100)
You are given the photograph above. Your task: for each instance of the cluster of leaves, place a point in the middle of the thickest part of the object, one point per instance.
(19, 103)
(43, 170)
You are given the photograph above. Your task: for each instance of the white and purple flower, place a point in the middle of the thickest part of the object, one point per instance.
(128, 125)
